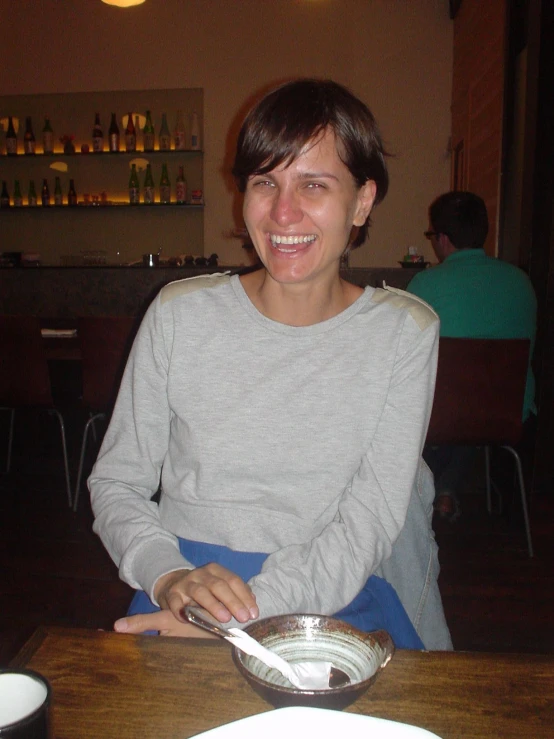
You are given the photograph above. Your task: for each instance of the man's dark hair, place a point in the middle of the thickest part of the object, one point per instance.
(462, 216)
(278, 128)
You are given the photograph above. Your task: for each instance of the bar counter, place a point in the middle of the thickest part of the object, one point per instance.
(68, 292)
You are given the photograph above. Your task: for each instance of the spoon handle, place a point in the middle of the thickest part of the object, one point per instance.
(201, 618)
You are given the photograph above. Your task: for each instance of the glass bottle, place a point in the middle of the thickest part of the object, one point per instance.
(97, 135)
(32, 194)
(17, 198)
(58, 196)
(137, 131)
(180, 137)
(165, 186)
(45, 193)
(29, 141)
(11, 139)
(181, 187)
(195, 132)
(148, 186)
(47, 137)
(72, 194)
(134, 187)
(164, 138)
(148, 133)
(130, 134)
(113, 135)
(5, 196)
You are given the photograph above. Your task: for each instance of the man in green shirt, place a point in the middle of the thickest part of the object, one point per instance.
(475, 296)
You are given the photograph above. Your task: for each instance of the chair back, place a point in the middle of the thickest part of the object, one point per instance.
(479, 391)
(105, 343)
(24, 376)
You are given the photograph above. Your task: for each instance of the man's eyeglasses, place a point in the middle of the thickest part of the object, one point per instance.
(429, 234)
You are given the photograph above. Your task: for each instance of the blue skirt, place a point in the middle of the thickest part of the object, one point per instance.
(377, 606)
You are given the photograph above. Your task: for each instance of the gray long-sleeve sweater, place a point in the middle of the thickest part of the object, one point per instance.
(302, 442)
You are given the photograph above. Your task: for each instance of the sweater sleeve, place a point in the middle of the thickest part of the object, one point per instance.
(326, 573)
(127, 472)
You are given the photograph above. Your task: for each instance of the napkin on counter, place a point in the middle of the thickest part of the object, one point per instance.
(58, 333)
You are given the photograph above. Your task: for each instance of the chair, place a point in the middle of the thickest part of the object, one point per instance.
(479, 400)
(25, 379)
(105, 342)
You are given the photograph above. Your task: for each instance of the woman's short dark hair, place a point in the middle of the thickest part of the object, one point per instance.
(277, 129)
(462, 216)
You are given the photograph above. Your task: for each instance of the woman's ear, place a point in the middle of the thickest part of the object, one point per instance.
(366, 198)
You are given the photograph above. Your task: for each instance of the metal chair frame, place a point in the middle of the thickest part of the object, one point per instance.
(26, 380)
(105, 341)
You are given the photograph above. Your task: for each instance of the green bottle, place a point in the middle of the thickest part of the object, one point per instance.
(72, 193)
(165, 186)
(148, 135)
(11, 139)
(148, 186)
(58, 196)
(17, 199)
(164, 138)
(134, 187)
(47, 137)
(32, 194)
(45, 193)
(29, 141)
(5, 196)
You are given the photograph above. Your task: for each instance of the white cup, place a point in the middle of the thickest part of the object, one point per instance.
(24, 705)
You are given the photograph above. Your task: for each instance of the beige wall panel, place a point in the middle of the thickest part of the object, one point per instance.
(395, 54)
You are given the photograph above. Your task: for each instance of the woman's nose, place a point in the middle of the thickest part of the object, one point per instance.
(286, 208)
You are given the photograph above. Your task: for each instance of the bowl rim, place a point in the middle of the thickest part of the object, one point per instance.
(293, 691)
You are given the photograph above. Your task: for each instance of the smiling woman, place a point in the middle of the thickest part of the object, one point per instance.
(287, 428)
(300, 217)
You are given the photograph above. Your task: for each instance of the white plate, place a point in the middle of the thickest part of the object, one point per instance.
(301, 723)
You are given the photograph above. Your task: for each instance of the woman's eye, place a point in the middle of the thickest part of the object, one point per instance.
(315, 186)
(261, 183)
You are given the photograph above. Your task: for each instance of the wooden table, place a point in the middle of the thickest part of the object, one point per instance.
(113, 685)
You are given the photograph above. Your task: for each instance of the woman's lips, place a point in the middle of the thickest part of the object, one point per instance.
(291, 244)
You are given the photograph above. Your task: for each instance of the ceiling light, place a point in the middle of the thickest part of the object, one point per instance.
(123, 3)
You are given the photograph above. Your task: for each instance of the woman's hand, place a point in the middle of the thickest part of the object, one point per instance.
(213, 587)
(162, 621)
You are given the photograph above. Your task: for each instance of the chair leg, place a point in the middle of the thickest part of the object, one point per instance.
(523, 498)
(488, 477)
(88, 425)
(64, 447)
(10, 439)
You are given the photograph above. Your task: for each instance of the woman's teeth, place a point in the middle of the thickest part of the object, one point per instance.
(291, 240)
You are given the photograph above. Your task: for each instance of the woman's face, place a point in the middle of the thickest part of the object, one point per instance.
(300, 217)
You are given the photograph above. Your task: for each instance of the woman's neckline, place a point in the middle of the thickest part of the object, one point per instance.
(316, 328)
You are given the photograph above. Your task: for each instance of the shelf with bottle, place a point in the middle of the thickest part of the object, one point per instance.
(104, 155)
(161, 183)
(139, 136)
(147, 197)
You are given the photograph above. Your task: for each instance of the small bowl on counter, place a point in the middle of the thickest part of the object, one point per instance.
(357, 658)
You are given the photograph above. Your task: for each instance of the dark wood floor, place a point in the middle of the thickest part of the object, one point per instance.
(54, 570)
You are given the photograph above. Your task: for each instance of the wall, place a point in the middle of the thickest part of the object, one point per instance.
(395, 54)
(478, 99)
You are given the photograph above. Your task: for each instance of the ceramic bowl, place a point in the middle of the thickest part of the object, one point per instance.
(296, 638)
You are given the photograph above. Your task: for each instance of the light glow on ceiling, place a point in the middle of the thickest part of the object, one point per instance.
(123, 3)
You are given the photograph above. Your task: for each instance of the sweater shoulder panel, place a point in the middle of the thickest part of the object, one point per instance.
(190, 284)
(421, 312)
